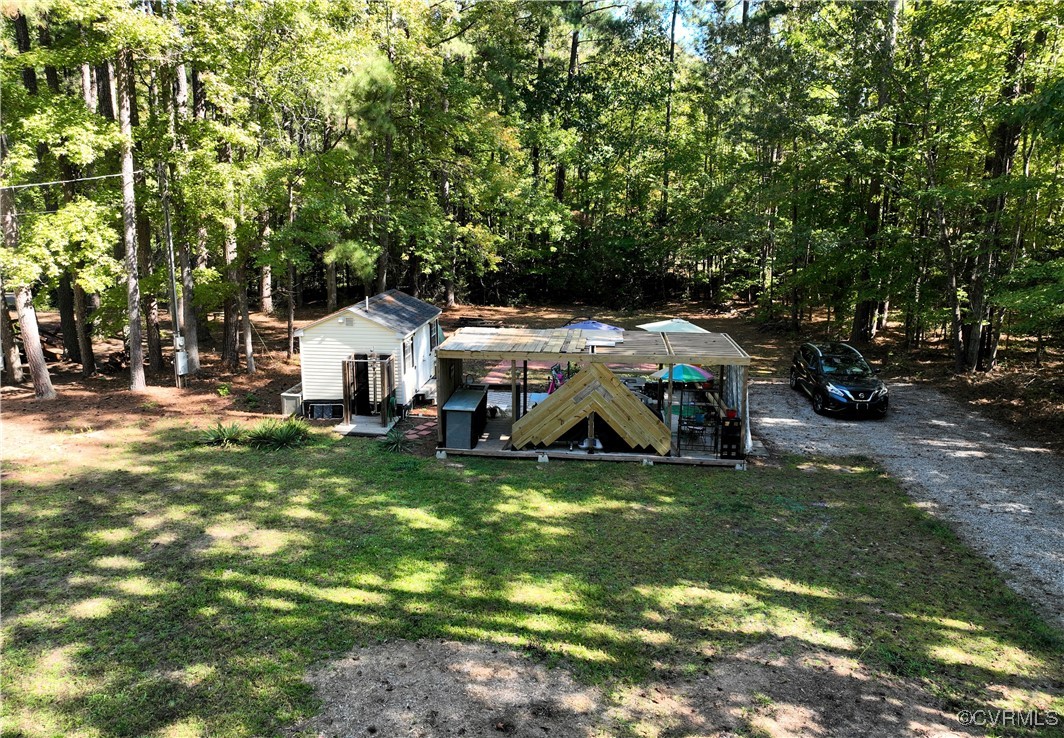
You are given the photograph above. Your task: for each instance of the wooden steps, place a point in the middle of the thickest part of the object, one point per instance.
(595, 389)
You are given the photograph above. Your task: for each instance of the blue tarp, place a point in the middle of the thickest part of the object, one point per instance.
(592, 325)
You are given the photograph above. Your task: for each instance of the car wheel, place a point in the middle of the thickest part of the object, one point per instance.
(818, 403)
(794, 380)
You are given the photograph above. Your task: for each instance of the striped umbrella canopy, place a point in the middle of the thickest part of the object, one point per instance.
(683, 373)
(673, 325)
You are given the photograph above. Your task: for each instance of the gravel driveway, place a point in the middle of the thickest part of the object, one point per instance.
(1004, 495)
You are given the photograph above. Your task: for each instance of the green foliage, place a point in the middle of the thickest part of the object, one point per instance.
(396, 441)
(272, 434)
(224, 434)
(1036, 292)
(819, 155)
(360, 257)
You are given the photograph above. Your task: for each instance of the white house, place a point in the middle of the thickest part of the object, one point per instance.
(391, 323)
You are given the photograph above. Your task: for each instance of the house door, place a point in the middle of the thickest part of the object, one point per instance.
(362, 400)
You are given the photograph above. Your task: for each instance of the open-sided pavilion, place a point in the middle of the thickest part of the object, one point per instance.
(532, 430)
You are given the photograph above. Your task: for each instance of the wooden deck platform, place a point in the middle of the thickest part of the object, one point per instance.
(495, 442)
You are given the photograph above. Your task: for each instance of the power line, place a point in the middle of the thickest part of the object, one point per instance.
(65, 181)
(33, 212)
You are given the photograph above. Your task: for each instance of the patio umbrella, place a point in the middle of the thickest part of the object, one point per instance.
(673, 325)
(592, 325)
(683, 373)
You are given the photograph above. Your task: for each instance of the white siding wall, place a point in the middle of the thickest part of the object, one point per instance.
(323, 347)
(421, 372)
(423, 352)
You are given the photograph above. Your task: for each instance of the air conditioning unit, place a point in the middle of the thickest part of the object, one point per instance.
(292, 401)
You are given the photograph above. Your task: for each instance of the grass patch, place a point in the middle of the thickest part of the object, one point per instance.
(181, 587)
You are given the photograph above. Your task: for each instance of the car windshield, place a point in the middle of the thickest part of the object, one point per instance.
(850, 365)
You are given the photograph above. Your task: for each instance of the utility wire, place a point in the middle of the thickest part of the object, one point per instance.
(65, 181)
(33, 212)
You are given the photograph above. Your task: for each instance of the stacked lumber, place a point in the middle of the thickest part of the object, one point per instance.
(595, 389)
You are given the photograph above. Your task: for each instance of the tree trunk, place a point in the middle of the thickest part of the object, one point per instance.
(230, 351)
(864, 319)
(330, 287)
(544, 34)
(245, 320)
(266, 290)
(31, 344)
(188, 306)
(105, 89)
(12, 359)
(22, 42)
(448, 284)
(124, 78)
(882, 313)
(189, 315)
(385, 238)
(668, 115)
(149, 300)
(84, 329)
(574, 70)
(996, 169)
(291, 300)
(88, 86)
(67, 326)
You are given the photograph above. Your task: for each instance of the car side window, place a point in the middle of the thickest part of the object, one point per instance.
(807, 357)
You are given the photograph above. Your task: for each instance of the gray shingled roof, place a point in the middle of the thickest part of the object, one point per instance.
(396, 310)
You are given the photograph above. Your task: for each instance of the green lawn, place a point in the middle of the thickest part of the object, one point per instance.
(184, 590)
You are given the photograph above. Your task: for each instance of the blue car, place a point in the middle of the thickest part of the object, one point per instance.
(838, 380)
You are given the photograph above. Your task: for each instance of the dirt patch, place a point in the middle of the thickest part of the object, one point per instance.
(94, 415)
(782, 689)
(441, 688)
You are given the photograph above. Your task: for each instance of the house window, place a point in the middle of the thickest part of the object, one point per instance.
(434, 335)
(408, 352)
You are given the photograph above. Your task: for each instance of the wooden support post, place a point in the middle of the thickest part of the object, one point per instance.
(668, 412)
(515, 396)
(382, 367)
(744, 410)
(346, 374)
(443, 393)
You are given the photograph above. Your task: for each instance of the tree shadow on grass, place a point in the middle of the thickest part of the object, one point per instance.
(193, 589)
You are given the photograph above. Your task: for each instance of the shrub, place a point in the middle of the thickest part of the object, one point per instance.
(274, 434)
(396, 441)
(223, 434)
